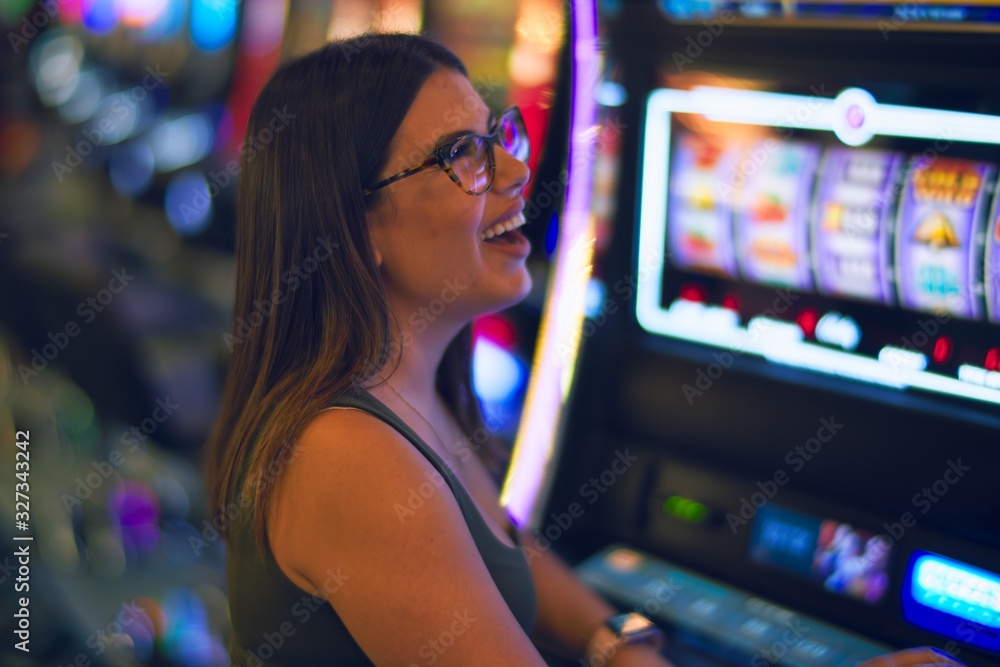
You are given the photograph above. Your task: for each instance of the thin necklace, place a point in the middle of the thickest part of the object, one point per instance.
(429, 425)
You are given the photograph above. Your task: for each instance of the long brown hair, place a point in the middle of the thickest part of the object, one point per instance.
(311, 319)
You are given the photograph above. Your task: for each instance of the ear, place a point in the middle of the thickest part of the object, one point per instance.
(375, 225)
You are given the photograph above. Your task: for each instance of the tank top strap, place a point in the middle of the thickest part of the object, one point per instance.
(363, 400)
(481, 532)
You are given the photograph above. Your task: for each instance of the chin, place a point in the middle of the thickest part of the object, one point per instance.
(524, 289)
(515, 294)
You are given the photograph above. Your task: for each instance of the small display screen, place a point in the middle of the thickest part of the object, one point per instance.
(845, 560)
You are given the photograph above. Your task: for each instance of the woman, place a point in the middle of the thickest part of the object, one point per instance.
(362, 520)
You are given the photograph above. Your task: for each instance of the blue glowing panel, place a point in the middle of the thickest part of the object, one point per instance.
(953, 599)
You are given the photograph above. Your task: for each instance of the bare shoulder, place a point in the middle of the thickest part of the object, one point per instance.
(343, 468)
(402, 577)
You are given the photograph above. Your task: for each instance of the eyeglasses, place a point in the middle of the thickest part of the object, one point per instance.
(469, 160)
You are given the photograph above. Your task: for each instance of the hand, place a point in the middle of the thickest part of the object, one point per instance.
(914, 657)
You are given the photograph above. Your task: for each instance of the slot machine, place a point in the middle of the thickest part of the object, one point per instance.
(783, 443)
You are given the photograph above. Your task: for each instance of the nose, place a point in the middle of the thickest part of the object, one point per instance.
(511, 174)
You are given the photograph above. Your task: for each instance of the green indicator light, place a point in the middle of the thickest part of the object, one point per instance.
(672, 504)
(684, 508)
(695, 512)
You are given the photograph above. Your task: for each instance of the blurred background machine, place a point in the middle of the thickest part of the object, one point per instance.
(783, 439)
(121, 126)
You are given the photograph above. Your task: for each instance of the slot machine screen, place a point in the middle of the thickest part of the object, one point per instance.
(835, 234)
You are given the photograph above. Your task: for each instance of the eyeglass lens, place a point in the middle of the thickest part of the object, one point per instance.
(470, 157)
(513, 138)
(470, 161)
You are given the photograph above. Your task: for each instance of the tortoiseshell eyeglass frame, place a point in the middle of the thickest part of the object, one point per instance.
(442, 155)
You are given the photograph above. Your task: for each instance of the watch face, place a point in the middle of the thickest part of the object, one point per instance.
(627, 625)
(636, 623)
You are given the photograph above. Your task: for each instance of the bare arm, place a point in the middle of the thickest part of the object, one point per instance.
(568, 612)
(406, 581)
(570, 615)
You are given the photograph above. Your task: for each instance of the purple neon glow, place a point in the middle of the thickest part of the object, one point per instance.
(136, 509)
(530, 473)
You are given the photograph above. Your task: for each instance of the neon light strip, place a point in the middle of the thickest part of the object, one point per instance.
(802, 112)
(773, 341)
(538, 438)
(753, 107)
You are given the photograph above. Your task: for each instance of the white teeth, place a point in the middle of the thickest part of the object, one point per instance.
(505, 226)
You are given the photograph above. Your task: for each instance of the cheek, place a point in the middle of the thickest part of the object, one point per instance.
(454, 220)
(439, 235)
(435, 223)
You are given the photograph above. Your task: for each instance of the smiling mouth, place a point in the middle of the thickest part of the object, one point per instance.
(497, 230)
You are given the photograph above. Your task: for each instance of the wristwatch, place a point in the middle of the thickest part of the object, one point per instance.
(634, 628)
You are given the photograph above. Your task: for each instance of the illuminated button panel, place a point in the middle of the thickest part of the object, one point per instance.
(957, 590)
(953, 598)
(719, 619)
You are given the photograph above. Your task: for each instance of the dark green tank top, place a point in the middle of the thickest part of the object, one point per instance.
(275, 622)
